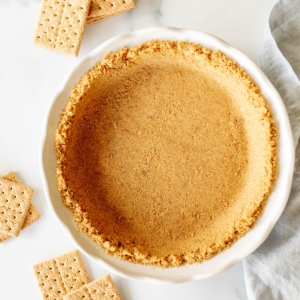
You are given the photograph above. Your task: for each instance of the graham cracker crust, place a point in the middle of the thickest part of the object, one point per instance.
(166, 153)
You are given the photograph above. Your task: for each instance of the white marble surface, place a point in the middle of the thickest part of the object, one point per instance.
(29, 78)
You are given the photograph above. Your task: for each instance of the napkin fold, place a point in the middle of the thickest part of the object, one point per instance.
(273, 270)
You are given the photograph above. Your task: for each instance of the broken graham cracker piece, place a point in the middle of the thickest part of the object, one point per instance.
(61, 275)
(11, 176)
(61, 25)
(32, 214)
(103, 8)
(15, 200)
(101, 289)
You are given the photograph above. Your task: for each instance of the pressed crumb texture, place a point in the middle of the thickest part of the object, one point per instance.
(166, 153)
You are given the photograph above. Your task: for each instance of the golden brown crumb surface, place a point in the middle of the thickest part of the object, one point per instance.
(166, 153)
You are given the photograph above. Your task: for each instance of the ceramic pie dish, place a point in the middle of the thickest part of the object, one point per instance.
(239, 249)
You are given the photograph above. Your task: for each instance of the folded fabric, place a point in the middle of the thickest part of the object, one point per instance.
(273, 270)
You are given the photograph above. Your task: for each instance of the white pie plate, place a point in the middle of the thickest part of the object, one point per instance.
(224, 260)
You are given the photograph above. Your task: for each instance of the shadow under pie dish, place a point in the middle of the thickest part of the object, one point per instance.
(166, 153)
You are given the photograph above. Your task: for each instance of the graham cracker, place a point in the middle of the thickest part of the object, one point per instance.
(102, 8)
(61, 275)
(101, 289)
(32, 214)
(61, 24)
(97, 19)
(93, 20)
(15, 200)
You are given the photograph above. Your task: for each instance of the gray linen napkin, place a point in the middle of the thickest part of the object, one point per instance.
(273, 270)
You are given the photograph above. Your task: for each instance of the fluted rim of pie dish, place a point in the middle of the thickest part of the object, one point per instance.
(225, 259)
